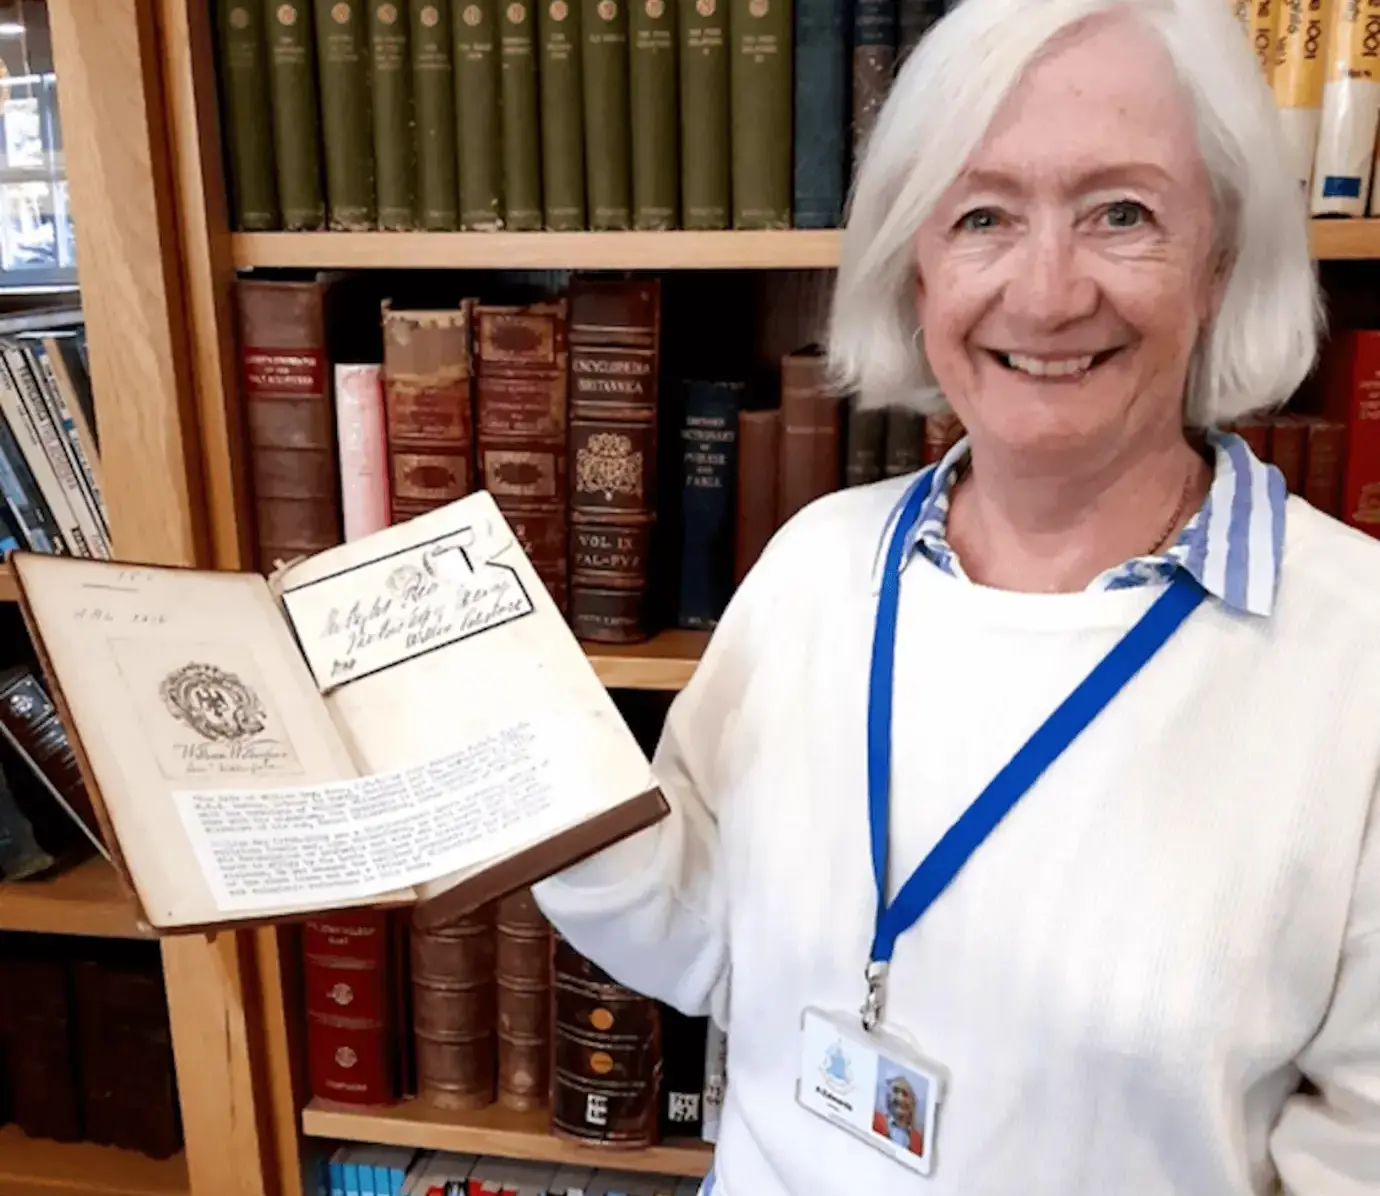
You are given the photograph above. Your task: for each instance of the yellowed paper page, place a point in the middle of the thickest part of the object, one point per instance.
(436, 635)
(179, 680)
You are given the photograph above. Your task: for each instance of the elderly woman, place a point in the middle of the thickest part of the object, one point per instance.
(1048, 774)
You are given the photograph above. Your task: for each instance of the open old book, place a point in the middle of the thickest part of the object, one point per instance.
(403, 718)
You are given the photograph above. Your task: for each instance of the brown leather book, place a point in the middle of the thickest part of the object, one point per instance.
(942, 432)
(40, 1044)
(454, 999)
(759, 451)
(428, 401)
(615, 338)
(522, 429)
(904, 450)
(1288, 445)
(524, 1001)
(810, 432)
(606, 1065)
(287, 380)
(352, 1015)
(1324, 464)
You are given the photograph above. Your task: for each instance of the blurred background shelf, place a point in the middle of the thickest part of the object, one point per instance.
(35, 1167)
(493, 1131)
(666, 661)
(86, 899)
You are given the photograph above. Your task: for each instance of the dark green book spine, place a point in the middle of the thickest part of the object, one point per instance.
(347, 122)
(433, 84)
(475, 29)
(393, 143)
(760, 90)
(248, 128)
(521, 128)
(704, 114)
(652, 75)
(562, 115)
(296, 114)
(607, 133)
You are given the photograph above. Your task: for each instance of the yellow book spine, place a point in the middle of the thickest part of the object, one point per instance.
(1350, 108)
(1262, 33)
(1301, 33)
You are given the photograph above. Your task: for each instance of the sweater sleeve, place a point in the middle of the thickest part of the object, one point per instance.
(1328, 1143)
(650, 909)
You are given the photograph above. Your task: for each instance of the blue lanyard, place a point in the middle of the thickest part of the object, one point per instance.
(953, 851)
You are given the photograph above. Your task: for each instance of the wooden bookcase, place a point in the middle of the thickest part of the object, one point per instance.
(157, 265)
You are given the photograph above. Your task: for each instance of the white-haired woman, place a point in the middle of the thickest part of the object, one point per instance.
(1047, 774)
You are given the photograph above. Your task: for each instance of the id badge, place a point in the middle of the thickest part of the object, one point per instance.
(873, 1085)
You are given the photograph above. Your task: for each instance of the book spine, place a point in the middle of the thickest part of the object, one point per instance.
(904, 442)
(1298, 78)
(296, 113)
(943, 431)
(709, 475)
(874, 60)
(705, 126)
(363, 449)
(25, 432)
(652, 79)
(759, 453)
(523, 976)
(394, 145)
(682, 1074)
(562, 115)
(438, 191)
(351, 1022)
(914, 21)
(67, 410)
(428, 403)
(1345, 154)
(606, 1065)
(347, 122)
(1262, 34)
(521, 123)
(474, 25)
(521, 422)
(42, 1064)
(1324, 464)
(864, 443)
(761, 96)
(607, 120)
(293, 458)
(25, 498)
(243, 54)
(809, 433)
(454, 1009)
(1288, 439)
(614, 373)
(821, 112)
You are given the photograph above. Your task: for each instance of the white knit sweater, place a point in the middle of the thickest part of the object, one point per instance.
(1126, 981)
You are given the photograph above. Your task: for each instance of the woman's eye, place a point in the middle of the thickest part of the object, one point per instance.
(978, 220)
(1125, 213)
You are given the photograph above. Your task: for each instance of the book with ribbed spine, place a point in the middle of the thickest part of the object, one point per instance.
(347, 121)
(474, 27)
(296, 114)
(652, 76)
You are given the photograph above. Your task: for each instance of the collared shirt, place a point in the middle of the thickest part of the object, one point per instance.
(1232, 546)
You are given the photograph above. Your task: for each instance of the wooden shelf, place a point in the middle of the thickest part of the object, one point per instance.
(675, 250)
(85, 899)
(34, 1167)
(495, 1131)
(664, 662)
(9, 592)
(786, 249)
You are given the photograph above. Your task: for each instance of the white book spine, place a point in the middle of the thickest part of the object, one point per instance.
(363, 441)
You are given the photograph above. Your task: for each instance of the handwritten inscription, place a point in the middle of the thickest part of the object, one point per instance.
(388, 611)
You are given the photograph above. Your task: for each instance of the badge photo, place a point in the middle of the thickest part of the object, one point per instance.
(872, 1085)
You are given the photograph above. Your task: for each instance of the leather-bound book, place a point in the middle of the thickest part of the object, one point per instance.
(40, 1042)
(128, 1084)
(683, 1041)
(615, 337)
(759, 451)
(864, 443)
(1324, 462)
(524, 1001)
(1288, 441)
(293, 463)
(454, 1018)
(708, 500)
(427, 396)
(904, 450)
(606, 1057)
(522, 430)
(810, 432)
(942, 432)
(45, 778)
(352, 1014)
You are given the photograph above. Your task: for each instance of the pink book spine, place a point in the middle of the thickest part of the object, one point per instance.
(363, 444)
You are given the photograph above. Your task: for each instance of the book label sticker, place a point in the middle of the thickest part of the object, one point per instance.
(356, 839)
(383, 612)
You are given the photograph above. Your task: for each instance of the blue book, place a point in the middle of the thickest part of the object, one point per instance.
(709, 508)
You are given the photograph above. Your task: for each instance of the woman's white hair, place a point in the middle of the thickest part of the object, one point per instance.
(1264, 339)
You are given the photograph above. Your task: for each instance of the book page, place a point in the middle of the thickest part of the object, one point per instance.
(437, 634)
(178, 679)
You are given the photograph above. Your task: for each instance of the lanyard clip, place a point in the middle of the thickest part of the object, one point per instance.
(876, 993)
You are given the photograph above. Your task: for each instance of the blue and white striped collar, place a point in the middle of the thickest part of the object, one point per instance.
(1232, 546)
